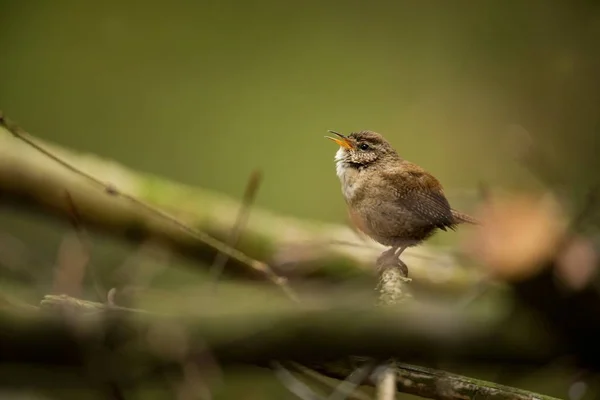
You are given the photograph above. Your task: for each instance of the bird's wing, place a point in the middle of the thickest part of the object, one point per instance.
(421, 193)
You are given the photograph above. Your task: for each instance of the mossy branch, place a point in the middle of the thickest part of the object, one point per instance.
(289, 246)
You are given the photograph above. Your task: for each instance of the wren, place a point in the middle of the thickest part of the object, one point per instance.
(391, 200)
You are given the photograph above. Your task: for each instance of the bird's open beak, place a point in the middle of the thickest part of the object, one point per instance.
(342, 141)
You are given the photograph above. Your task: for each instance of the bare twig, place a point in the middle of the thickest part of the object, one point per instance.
(354, 380)
(293, 384)
(436, 384)
(70, 267)
(325, 380)
(110, 189)
(77, 223)
(53, 302)
(242, 217)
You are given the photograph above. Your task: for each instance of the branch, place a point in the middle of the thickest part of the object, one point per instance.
(64, 333)
(393, 290)
(242, 218)
(417, 333)
(29, 179)
(440, 385)
(206, 240)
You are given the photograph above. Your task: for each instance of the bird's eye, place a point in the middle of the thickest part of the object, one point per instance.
(363, 146)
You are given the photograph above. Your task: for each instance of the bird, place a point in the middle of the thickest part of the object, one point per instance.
(393, 201)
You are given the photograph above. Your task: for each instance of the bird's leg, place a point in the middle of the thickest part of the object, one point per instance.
(403, 267)
(391, 258)
(399, 250)
(386, 258)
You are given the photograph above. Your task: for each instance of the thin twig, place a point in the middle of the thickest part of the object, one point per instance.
(324, 380)
(355, 379)
(242, 217)
(110, 189)
(70, 269)
(83, 237)
(293, 384)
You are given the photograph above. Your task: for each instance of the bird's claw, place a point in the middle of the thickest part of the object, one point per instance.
(389, 259)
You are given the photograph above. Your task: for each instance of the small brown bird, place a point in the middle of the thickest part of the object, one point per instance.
(393, 201)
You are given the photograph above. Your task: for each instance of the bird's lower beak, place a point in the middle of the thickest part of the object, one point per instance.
(342, 141)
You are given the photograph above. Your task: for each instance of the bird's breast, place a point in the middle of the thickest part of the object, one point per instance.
(359, 222)
(350, 179)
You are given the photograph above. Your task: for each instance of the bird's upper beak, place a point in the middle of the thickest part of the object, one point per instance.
(342, 141)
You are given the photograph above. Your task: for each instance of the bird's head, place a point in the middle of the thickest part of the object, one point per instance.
(363, 148)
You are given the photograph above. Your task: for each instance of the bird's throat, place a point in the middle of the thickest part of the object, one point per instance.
(340, 163)
(347, 174)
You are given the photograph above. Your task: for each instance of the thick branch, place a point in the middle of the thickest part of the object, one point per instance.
(30, 179)
(70, 329)
(413, 334)
(435, 384)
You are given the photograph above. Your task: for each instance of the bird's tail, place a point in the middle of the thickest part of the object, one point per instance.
(464, 218)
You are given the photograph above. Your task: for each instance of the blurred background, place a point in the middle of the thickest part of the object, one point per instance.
(203, 92)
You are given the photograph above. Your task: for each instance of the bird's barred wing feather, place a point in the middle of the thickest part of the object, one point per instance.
(422, 194)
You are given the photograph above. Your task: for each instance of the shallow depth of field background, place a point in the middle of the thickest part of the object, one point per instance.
(203, 92)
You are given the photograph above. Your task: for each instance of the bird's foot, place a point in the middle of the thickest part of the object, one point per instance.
(389, 259)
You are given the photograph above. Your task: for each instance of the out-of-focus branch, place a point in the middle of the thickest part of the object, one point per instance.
(151, 211)
(413, 334)
(30, 179)
(435, 384)
(68, 328)
(240, 222)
